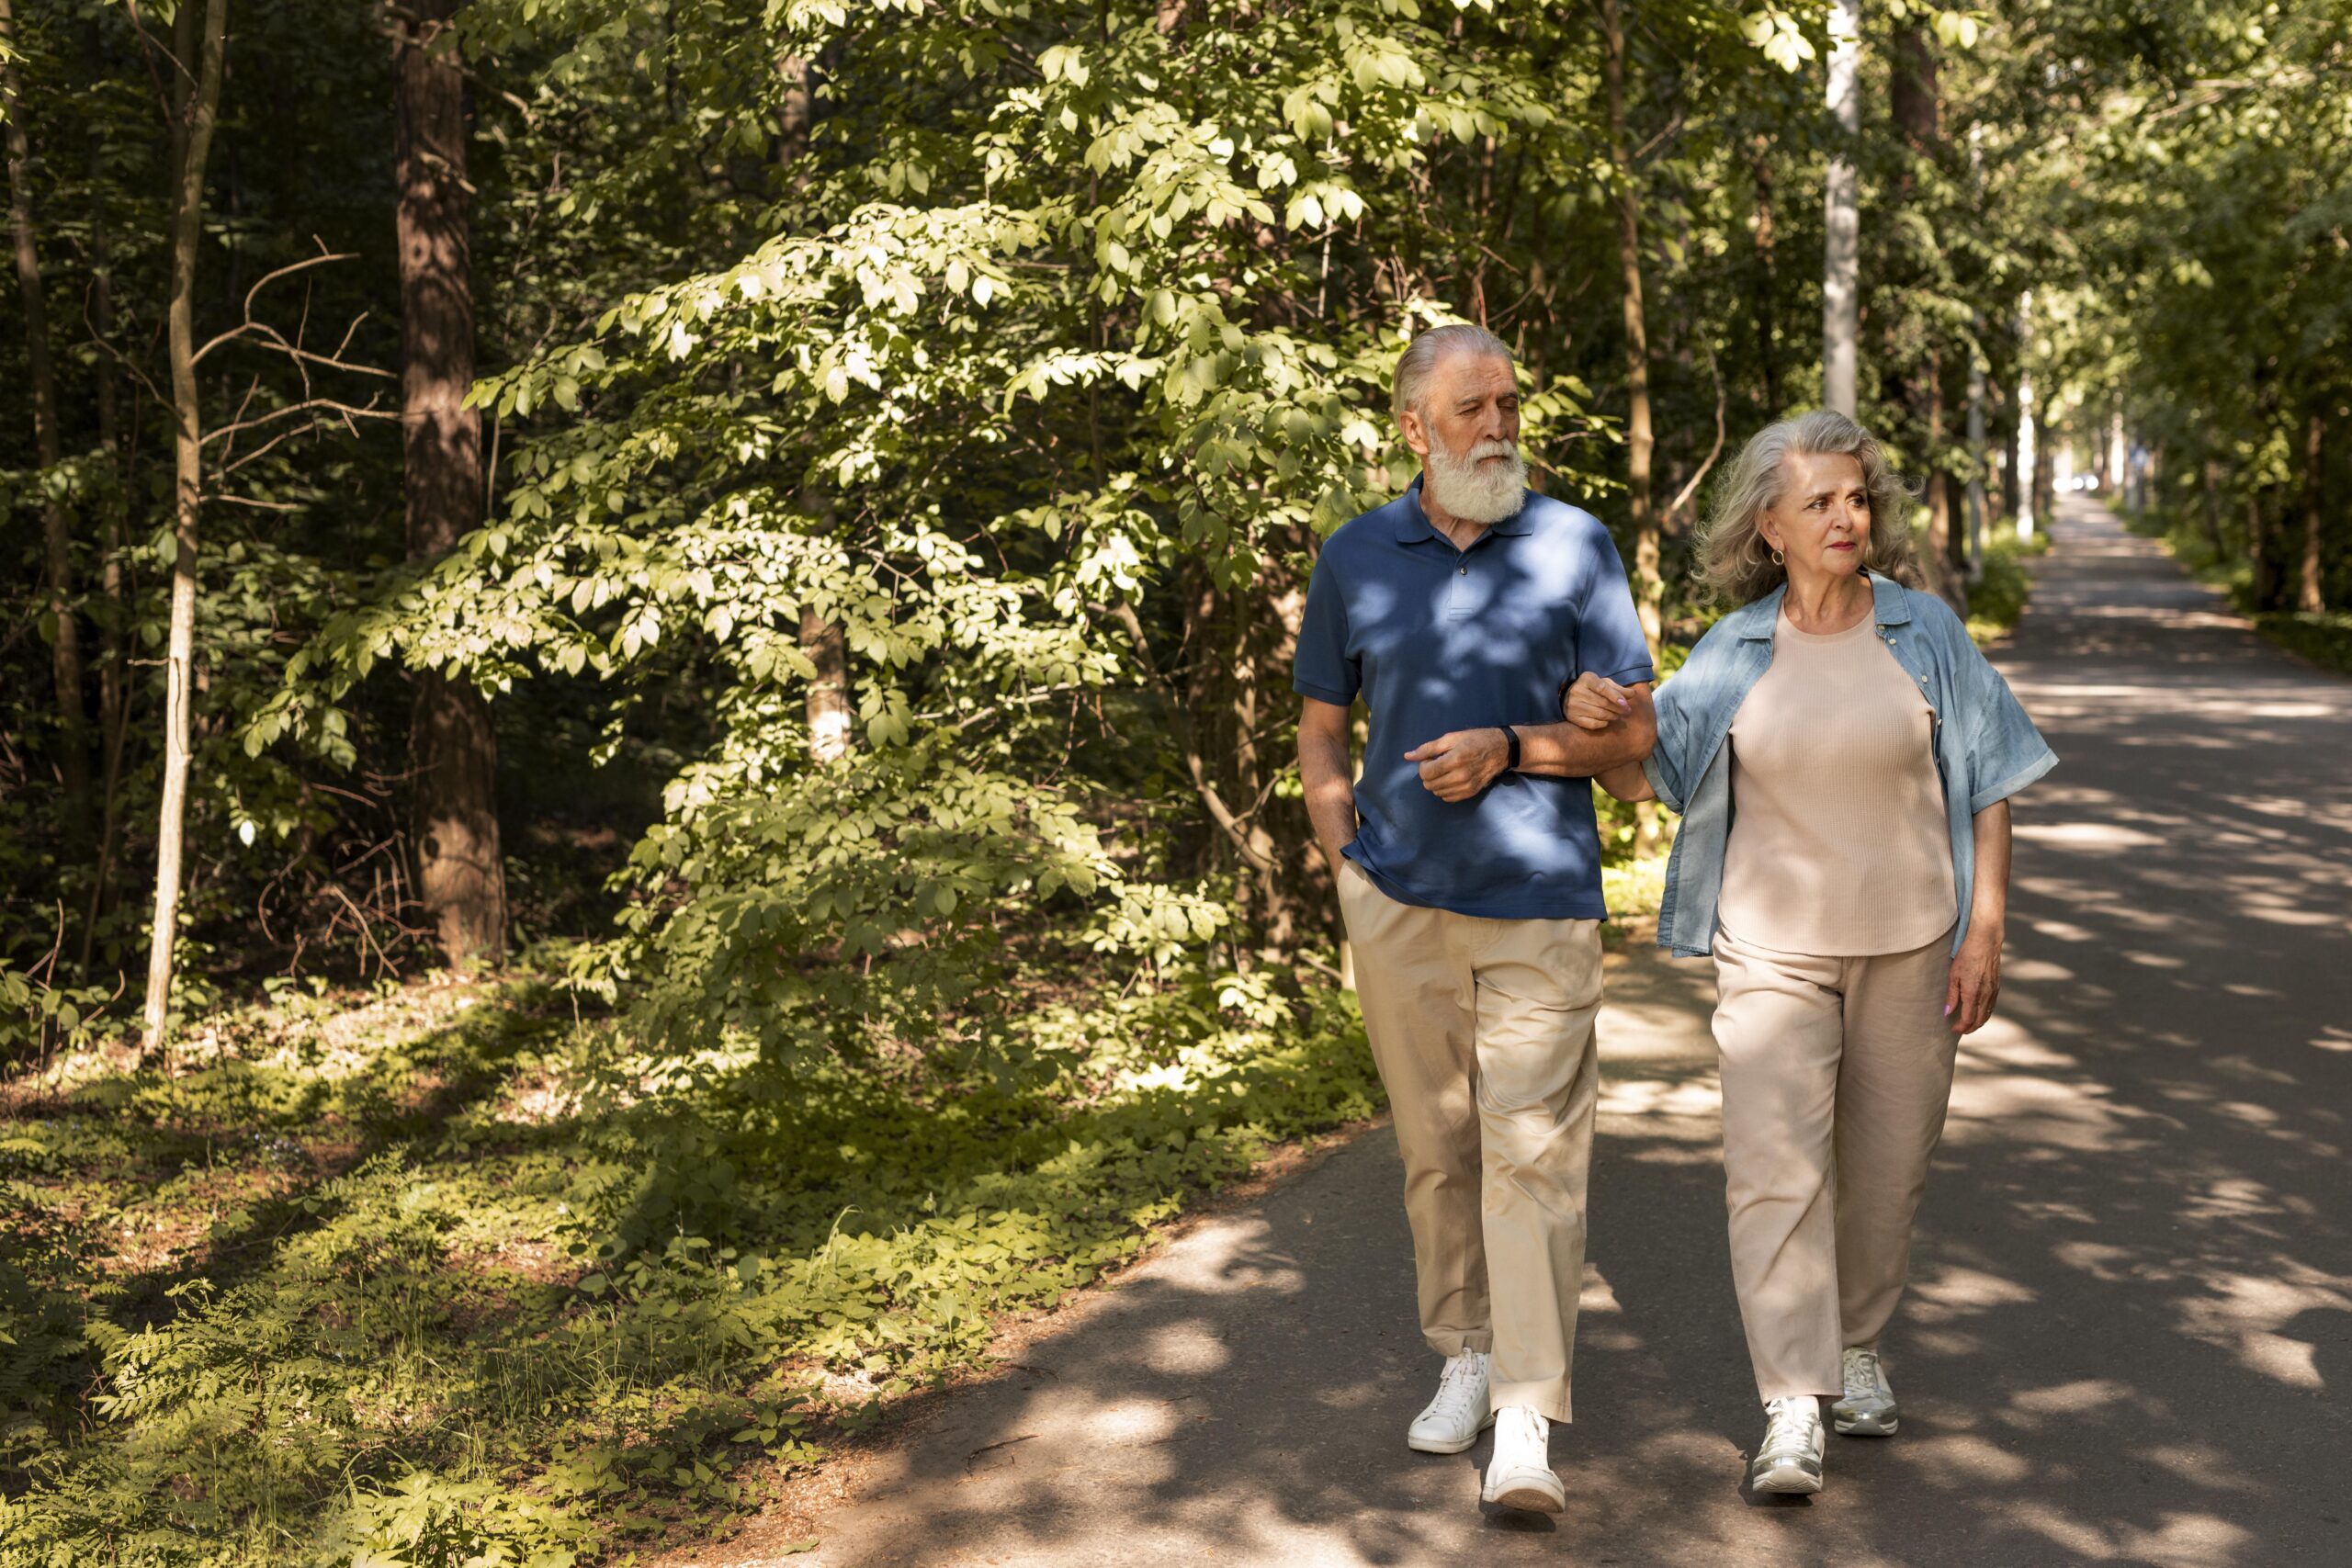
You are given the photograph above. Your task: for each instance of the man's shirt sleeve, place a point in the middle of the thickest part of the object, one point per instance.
(1609, 632)
(1325, 670)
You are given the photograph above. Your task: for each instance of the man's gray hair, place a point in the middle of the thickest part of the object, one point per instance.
(1421, 357)
(1735, 564)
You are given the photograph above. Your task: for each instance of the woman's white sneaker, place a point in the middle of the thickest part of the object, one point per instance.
(1867, 1408)
(1789, 1458)
(1452, 1422)
(1520, 1473)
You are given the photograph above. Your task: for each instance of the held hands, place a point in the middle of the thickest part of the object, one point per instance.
(1975, 983)
(1459, 765)
(1595, 704)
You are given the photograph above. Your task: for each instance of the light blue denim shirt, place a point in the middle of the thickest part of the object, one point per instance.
(1987, 748)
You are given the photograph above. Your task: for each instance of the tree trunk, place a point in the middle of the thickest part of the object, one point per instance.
(1650, 586)
(1649, 589)
(2311, 598)
(1232, 637)
(197, 98)
(1977, 453)
(57, 543)
(1941, 562)
(2266, 554)
(832, 720)
(114, 661)
(1842, 299)
(2032, 457)
(2045, 474)
(2209, 477)
(1766, 276)
(453, 748)
(2264, 577)
(1913, 99)
(828, 706)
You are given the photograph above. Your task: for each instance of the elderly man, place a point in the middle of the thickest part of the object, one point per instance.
(1469, 875)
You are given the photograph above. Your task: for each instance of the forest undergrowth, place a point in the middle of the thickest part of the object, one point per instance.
(2322, 637)
(453, 1275)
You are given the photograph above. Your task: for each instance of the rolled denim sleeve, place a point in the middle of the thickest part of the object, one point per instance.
(1668, 765)
(2005, 752)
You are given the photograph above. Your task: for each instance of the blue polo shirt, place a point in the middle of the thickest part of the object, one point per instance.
(1437, 639)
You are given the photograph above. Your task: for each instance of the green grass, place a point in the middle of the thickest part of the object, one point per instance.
(2322, 637)
(1997, 598)
(451, 1278)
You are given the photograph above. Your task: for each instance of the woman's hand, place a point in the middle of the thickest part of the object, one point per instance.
(1976, 981)
(1595, 702)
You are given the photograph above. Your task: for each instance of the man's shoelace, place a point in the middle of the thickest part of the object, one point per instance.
(1519, 1425)
(1454, 1388)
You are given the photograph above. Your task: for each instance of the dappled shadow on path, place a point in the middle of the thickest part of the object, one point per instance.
(2129, 1335)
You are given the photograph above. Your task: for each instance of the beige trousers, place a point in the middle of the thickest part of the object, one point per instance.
(1483, 1033)
(1835, 1076)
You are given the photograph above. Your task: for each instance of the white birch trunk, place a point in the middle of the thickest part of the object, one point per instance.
(1841, 302)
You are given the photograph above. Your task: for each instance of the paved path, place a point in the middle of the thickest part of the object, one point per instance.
(2130, 1338)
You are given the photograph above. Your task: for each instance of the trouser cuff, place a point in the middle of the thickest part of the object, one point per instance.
(1452, 1345)
(1548, 1399)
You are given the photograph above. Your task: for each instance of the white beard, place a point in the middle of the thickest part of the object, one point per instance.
(1477, 491)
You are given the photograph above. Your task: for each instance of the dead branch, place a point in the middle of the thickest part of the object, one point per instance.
(340, 409)
(1714, 452)
(266, 280)
(1179, 716)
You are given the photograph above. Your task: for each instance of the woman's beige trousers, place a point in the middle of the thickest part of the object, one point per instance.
(1483, 1033)
(1835, 1076)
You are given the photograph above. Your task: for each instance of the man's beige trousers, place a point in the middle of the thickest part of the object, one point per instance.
(1483, 1033)
(1835, 1076)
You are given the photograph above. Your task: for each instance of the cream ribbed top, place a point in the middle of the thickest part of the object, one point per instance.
(1839, 843)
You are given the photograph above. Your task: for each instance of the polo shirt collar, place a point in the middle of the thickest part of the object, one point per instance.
(1890, 606)
(1413, 524)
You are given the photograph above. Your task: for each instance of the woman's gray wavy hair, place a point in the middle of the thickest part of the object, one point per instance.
(1734, 562)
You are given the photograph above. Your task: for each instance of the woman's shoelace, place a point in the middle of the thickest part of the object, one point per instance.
(1788, 1433)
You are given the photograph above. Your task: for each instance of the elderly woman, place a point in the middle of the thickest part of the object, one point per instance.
(1843, 758)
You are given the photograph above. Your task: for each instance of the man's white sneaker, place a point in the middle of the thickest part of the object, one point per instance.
(1789, 1458)
(1867, 1409)
(1452, 1422)
(1520, 1473)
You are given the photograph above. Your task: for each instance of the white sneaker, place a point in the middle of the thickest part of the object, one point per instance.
(1521, 1475)
(1452, 1421)
(1789, 1458)
(1867, 1409)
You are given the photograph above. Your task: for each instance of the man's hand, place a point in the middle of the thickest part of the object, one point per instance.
(1975, 983)
(1595, 702)
(1456, 766)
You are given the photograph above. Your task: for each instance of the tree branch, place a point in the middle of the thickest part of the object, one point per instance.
(1181, 719)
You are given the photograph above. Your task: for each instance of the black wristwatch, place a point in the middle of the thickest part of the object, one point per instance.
(1511, 736)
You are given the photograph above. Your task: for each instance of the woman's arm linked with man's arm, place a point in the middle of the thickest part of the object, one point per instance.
(1598, 706)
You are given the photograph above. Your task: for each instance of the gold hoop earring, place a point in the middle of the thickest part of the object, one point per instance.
(1779, 560)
